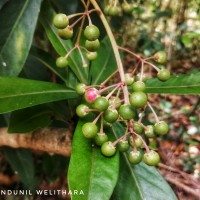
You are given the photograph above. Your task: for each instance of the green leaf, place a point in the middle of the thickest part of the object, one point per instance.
(62, 46)
(179, 84)
(21, 161)
(28, 119)
(139, 182)
(105, 64)
(2, 3)
(48, 61)
(18, 21)
(18, 93)
(89, 170)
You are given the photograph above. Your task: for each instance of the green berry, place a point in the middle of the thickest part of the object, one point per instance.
(91, 55)
(108, 149)
(106, 9)
(128, 79)
(149, 131)
(114, 11)
(82, 110)
(151, 158)
(138, 128)
(110, 115)
(137, 141)
(92, 45)
(115, 102)
(138, 99)
(161, 128)
(60, 21)
(135, 157)
(61, 62)
(138, 86)
(89, 130)
(126, 111)
(123, 145)
(163, 74)
(65, 33)
(91, 32)
(80, 88)
(127, 8)
(100, 139)
(101, 104)
(160, 57)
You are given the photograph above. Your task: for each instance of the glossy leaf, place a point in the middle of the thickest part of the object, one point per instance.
(139, 182)
(18, 21)
(89, 170)
(18, 93)
(104, 65)
(179, 84)
(28, 119)
(2, 3)
(62, 46)
(48, 61)
(22, 163)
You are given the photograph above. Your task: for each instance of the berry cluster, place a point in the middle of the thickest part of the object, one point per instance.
(114, 103)
(110, 107)
(65, 32)
(115, 8)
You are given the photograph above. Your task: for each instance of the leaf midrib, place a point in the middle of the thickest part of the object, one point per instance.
(35, 93)
(15, 24)
(181, 86)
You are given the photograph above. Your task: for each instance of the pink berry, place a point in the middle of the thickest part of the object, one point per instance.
(91, 94)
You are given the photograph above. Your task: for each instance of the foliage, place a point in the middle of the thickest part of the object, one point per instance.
(35, 94)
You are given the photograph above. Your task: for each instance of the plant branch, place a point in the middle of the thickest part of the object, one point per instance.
(50, 140)
(115, 49)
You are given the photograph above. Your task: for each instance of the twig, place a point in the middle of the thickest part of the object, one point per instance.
(182, 186)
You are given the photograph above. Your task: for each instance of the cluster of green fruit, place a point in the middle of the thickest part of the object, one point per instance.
(115, 8)
(65, 31)
(111, 109)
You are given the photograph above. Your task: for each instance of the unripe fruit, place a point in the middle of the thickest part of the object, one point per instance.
(160, 57)
(82, 110)
(138, 86)
(135, 157)
(61, 62)
(151, 158)
(138, 128)
(161, 128)
(101, 104)
(123, 145)
(127, 8)
(126, 111)
(106, 9)
(89, 130)
(91, 32)
(65, 33)
(80, 88)
(91, 55)
(110, 115)
(137, 141)
(128, 79)
(91, 94)
(114, 11)
(60, 21)
(108, 149)
(92, 45)
(138, 99)
(100, 139)
(149, 131)
(115, 102)
(163, 74)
